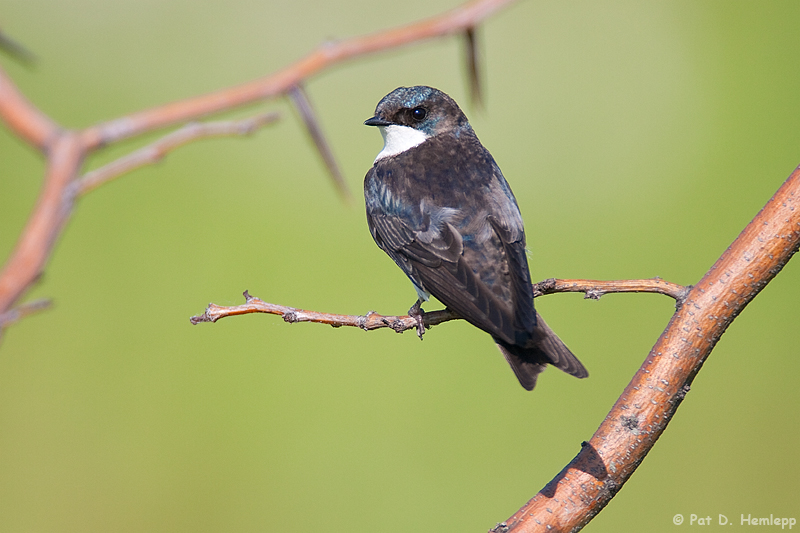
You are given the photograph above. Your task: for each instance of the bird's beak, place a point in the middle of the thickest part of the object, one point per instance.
(375, 121)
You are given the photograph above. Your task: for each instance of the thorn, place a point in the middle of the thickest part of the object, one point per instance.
(247, 296)
(301, 102)
(476, 94)
(16, 50)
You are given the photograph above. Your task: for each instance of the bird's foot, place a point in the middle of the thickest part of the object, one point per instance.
(417, 314)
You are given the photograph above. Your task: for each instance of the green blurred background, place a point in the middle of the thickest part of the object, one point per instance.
(639, 138)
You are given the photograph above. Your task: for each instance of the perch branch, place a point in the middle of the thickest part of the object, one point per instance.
(155, 152)
(372, 320)
(594, 289)
(641, 414)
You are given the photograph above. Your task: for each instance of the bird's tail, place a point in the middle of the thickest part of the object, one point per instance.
(544, 349)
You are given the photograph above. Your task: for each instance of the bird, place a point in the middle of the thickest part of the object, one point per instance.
(439, 206)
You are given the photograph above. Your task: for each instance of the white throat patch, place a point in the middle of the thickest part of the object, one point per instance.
(398, 139)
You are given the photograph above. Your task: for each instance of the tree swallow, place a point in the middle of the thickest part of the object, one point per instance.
(439, 206)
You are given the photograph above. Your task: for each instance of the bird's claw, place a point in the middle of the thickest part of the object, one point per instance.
(417, 314)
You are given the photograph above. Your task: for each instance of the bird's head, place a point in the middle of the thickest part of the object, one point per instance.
(408, 116)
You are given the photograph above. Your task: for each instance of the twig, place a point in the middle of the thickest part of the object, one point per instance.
(594, 289)
(23, 310)
(372, 320)
(155, 152)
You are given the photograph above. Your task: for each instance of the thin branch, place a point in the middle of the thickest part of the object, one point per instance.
(650, 400)
(372, 320)
(301, 102)
(155, 152)
(594, 289)
(452, 22)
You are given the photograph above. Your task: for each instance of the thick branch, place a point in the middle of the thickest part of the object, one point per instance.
(155, 152)
(372, 320)
(642, 412)
(51, 212)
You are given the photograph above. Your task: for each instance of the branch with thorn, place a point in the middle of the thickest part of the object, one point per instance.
(66, 150)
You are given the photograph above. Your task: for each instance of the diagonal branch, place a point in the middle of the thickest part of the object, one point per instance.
(454, 21)
(25, 119)
(155, 152)
(372, 320)
(650, 400)
(45, 224)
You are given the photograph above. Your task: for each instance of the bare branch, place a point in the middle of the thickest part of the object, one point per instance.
(155, 152)
(650, 400)
(594, 289)
(301, 102)
(45, 224)
(452, 22)
(372, 320)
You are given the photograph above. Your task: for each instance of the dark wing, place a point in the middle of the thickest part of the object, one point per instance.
(433, 257)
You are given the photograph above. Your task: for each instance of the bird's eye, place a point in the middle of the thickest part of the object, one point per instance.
(419, 113)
